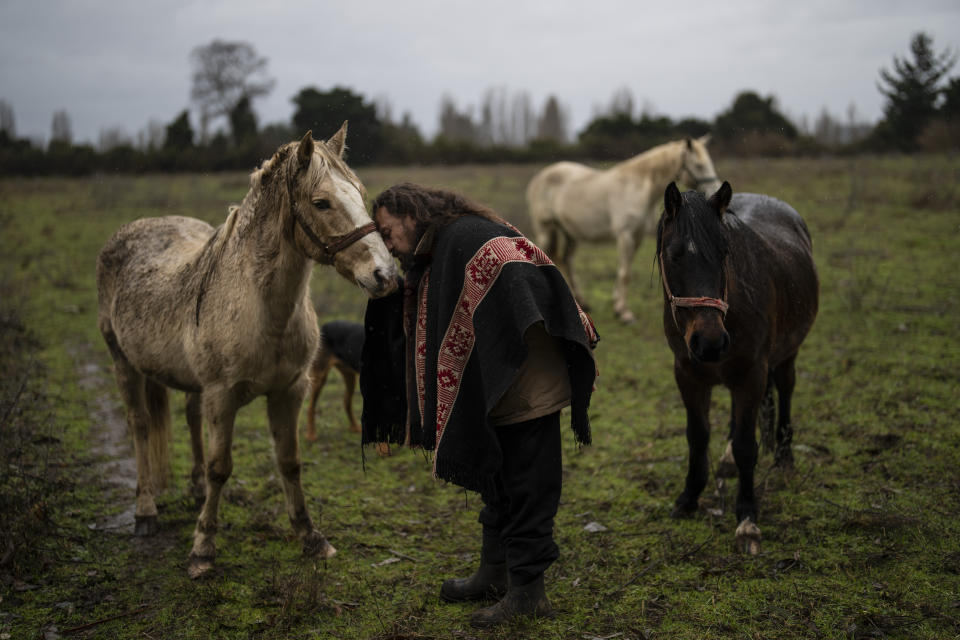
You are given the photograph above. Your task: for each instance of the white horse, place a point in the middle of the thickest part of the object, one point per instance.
(225, 315)
(569, 202)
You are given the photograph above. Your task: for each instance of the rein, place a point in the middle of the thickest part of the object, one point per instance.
(336, 244)
(703, 301)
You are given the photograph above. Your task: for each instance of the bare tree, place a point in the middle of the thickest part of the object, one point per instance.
(224, 74)
(552, 124)
(153, 136)
(622, 103)
(523, 122)
(456, 125)
(7, 123)
(60, 130)
(113, 137)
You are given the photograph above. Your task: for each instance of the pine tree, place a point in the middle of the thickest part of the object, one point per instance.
(912, 90)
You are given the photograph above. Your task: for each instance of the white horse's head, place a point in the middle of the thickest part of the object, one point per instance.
(697, 167)
(330, 222)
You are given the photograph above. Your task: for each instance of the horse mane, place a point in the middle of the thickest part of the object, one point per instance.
(654, 155)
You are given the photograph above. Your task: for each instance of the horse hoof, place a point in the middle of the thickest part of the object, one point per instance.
(783, 459)
(199, 566)
(727, 466)
(145, 525)
(383, 449)
(748, 537)
(627, 317)
(310, 436)
(683, 511)
(315, 545)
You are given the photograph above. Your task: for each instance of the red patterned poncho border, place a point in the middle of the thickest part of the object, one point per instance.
(480, 274)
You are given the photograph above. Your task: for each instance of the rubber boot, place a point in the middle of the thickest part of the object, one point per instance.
(521, 600)
(489, 581)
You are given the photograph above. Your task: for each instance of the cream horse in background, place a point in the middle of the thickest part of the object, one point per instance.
(225, 315)
(569, 202)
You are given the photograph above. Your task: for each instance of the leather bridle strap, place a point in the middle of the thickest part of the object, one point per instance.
(697, 181)
(329, 249)
(703, 301)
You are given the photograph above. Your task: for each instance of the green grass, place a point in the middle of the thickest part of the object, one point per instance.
(860, 541)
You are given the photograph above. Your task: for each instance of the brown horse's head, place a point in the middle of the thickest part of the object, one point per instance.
(692, 248)
(328, 221)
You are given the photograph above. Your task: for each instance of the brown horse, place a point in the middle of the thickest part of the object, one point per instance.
(740, 294)
(225, 315)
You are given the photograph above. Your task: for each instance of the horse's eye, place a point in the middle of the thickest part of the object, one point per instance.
(321, 204)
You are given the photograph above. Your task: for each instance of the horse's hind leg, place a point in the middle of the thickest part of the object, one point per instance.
(784, 376)
(318, 378)
(195, 423)
(219, 408)
(148, 418)
(747, 399)
(627, 243)
(349, 385)
(283, 408)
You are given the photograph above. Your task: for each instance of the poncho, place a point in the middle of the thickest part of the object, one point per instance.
(475, 297)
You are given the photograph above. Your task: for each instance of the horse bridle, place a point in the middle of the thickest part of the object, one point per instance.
(687, 302)
(697, 181)
(330, 248)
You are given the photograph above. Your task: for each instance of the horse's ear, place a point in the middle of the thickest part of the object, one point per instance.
(721, 199)
(689, 144)
(704, 139)
(672, 200)
(337, 143)
(305, 150)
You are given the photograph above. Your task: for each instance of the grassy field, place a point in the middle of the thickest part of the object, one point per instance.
(861, 540)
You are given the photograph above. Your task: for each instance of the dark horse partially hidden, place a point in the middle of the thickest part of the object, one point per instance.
(740, 295)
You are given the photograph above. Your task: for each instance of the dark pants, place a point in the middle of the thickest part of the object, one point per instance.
(518, 521)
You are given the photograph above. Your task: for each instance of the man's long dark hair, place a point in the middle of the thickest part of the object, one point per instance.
(430, 207)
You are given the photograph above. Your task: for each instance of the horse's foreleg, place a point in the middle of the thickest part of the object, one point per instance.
(784, 376)
(626, 248)
(696, 400)
(219, 409)
(283, 408)
(194, 412)
(747, 399)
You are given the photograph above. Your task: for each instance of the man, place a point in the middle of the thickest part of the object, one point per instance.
(474, 358)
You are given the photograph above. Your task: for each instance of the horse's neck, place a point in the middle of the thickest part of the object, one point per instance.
(265, 254)
(660, 164)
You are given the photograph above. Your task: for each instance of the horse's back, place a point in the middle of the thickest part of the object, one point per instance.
(775, 220)
(145, 278)
(547, 185)
(786, 257)
(151, 243)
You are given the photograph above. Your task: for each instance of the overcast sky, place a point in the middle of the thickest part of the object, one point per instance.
(120, 64)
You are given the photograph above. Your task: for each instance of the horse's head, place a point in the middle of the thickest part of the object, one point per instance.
(329, 220)
(696, 167)
(692, 249)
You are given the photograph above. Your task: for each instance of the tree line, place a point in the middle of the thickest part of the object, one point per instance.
(921, 113)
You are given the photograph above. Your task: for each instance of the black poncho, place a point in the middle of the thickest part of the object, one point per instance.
(484, 285)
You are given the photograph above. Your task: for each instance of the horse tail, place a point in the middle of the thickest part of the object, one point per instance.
(159, 433)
